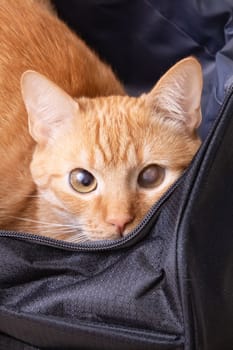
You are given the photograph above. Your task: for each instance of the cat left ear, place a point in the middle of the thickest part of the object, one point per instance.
(178, 94)
(49, 108)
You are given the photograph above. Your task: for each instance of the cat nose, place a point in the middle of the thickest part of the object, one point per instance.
(120, 222)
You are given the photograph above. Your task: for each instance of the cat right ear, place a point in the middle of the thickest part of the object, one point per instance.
(49, 108)
(178, 95)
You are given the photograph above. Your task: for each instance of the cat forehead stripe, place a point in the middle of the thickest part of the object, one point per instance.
(111, 129)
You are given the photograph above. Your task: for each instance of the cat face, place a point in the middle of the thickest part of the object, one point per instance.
(100, 164)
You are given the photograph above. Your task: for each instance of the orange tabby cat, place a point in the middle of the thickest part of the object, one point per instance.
(88, 168)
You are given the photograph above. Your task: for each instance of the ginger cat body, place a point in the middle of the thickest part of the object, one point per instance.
(84, 167)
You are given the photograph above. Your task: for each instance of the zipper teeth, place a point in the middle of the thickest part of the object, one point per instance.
(107, 245)
(101, 245)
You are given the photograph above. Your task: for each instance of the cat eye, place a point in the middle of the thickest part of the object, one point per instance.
(82, 181)
(151, 176)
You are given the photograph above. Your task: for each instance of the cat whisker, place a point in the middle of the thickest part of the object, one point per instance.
(77, 239)
(44, 222)
(74, 233)
(60, 231)
(33, 196)
(61, 228)
(74, 236)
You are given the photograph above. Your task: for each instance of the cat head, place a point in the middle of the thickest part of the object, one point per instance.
(100, 164)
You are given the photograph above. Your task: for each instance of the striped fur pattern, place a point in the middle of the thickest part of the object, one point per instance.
(70, 112)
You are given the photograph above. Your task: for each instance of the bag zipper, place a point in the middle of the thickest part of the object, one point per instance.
(98, 245)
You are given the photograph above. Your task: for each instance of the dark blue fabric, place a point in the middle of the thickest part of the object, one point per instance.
(141, 39)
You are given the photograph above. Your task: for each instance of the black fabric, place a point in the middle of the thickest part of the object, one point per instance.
(170, 287)
(131, 292)
(207, 240)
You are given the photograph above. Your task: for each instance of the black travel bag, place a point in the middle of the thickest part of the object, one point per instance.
(168, 285)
